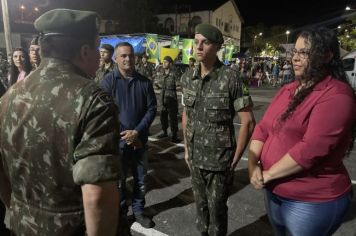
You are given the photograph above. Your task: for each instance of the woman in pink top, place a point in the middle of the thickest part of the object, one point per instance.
(20, 66)
(297, 149)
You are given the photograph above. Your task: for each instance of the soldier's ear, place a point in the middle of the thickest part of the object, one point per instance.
(84, 52)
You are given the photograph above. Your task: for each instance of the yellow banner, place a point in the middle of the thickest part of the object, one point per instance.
(172, 52)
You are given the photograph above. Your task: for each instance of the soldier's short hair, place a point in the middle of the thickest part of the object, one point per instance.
(124, 44)
(108, 47)
(35, 40)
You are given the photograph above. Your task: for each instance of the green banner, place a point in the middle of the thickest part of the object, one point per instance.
(229, 50)
(175, 42)
(188, 50)
(152, 46)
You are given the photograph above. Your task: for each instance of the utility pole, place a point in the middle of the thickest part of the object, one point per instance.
(7, 29)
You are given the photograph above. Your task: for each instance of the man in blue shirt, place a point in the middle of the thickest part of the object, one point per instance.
(136, 100)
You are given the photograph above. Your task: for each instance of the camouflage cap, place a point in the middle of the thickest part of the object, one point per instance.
(168, 58)
(68, 22)
(108, 47)
(210, 32)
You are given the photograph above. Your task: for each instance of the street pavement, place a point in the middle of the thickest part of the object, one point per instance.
(169, 198)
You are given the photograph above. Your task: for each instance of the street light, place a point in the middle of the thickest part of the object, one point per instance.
(287, 33)
(260, 34)
(347, 8)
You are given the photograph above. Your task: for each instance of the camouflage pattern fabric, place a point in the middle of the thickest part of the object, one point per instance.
(167, 83)
(101, 72)
(58, 131)
(211, 190)
(146, 70)
(4, 69)
(211, 104)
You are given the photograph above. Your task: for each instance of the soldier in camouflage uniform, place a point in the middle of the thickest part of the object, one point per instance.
(106, 63)
(59, 155)
(212, 97)
(34, 53)
(145, 68)
(167, 80)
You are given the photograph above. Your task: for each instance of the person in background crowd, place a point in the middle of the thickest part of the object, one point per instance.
(4, 68)
(167, 80)
(145, 68)
(3, 77)
(59, 162)
(133, 93)
(287, 72)
(275, 74)
(212, 98)
(297, 149)
(35, 57)
(106, 64)
(191, 62)
(20, 66)
(137, 61)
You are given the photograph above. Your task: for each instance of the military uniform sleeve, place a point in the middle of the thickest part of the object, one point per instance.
(183, 84)
(96, 155)
(241, 98)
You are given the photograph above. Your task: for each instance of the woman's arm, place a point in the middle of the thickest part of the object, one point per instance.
(254, 169)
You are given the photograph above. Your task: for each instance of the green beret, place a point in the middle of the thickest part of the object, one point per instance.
(210, 32)
(168, 58)
(68, 22)
(108, 47)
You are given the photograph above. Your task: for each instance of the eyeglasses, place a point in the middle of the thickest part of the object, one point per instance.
(302, 54)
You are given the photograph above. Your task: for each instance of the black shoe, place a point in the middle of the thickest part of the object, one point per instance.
(204, 234)
(162, 135)
(175, 140)
(144, 221)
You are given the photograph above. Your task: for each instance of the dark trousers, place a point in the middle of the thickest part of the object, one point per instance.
(2, 216)
(136, 160)
(171, 110)
(210, 190)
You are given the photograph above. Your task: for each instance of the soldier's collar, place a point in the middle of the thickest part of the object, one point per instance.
(196, 71)
(51, 62)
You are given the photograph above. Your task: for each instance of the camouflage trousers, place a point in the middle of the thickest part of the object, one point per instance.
(211, 189)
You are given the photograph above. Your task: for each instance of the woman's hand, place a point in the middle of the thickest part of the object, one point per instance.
(256, 178)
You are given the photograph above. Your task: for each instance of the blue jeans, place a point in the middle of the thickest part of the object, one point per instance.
(136, 160)
(297, 218)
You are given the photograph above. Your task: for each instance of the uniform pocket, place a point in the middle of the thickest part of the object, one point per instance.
(218, 139)
(218, 108)
(189, 98)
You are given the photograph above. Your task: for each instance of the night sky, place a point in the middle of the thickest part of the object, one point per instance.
(297, 13)
(294, 13)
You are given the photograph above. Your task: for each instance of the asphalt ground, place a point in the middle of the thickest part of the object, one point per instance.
(169, 198)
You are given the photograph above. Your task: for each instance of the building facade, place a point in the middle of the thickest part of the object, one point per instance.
(225, 17)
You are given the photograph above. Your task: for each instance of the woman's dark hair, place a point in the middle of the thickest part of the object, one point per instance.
(14, 71)
(323, 43)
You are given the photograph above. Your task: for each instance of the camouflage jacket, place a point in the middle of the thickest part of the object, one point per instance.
(146, 70)
(101, 72)
(211, 104)
(167, 83)
(58, 131)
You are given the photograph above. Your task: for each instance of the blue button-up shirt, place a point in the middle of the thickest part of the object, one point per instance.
(135, 99)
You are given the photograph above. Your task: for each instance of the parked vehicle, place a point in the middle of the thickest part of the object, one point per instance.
(349, 62)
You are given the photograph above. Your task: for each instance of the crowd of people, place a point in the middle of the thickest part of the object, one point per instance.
(258, 71)
(74, 123)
